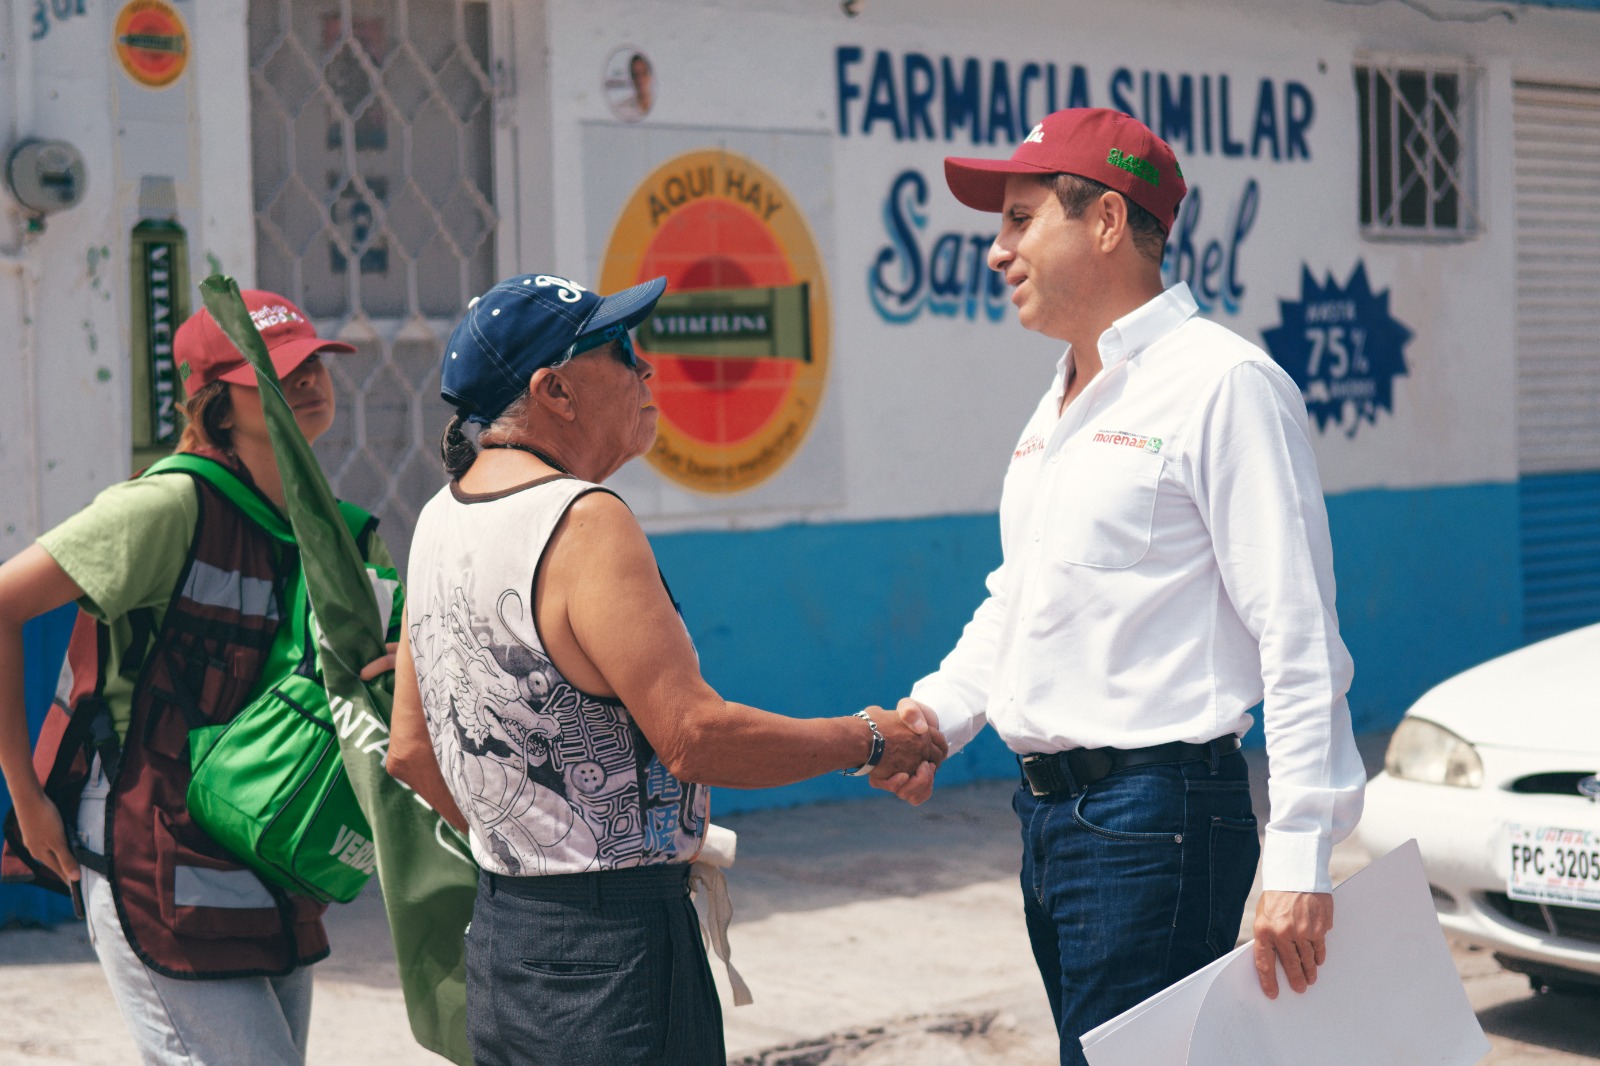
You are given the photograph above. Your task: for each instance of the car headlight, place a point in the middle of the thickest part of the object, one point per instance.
(1422, 751)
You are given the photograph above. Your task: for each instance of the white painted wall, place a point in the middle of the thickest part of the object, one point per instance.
(923, 415)
(65, 411)
(72, 418)
(930, 409)
(217, 206)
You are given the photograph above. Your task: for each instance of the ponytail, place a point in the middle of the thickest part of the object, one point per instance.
(458, 452)
(205, 415)
(455, 450)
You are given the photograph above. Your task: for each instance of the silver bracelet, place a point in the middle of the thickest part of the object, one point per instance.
(875, 756)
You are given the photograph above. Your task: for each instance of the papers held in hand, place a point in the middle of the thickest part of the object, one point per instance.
(1388, 993)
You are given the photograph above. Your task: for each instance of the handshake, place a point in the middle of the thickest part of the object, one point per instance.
(913, 750)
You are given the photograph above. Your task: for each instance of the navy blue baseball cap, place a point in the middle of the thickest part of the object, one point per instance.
(526, 322)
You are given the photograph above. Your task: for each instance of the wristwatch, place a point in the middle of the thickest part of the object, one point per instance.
(875, 756)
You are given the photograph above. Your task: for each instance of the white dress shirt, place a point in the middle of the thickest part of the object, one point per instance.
(1166, 566)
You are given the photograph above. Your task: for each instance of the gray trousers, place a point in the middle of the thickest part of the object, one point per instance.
(604, 969)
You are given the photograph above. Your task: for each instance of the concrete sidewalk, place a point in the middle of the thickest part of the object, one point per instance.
(870, 932)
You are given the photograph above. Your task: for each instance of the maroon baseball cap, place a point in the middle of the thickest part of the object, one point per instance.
(205, 354)
(1107, 146)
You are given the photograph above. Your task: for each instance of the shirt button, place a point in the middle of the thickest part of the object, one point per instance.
(1037, 537)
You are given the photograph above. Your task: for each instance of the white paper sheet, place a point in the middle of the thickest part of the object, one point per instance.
(1388, 994)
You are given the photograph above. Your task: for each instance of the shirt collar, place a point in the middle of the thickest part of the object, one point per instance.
(1143, 326)
(1058, 387)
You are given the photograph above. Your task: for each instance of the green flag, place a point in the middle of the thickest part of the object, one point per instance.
(425, 867)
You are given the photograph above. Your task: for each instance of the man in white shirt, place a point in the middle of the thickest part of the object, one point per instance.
(1166, 565)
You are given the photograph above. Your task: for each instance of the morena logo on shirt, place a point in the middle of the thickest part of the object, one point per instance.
(1128, 440)
(1033, 444)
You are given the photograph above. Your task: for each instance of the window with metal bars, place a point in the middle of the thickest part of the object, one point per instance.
(1417, 149)
(372, 139)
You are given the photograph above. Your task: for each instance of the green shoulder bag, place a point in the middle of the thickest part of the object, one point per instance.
(270, 785)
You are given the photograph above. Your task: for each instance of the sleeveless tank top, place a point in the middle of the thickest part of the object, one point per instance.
(551, 780)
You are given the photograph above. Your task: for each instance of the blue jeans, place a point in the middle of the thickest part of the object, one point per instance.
(1135, 883)
(226, 1021)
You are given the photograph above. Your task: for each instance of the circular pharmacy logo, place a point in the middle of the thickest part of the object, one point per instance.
(740, 340)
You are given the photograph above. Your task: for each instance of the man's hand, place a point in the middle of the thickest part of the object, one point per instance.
(907, 749)
(1292, 928)
(914, 788)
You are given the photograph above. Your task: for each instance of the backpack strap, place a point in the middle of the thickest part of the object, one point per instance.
(293, 648)
(249, 499)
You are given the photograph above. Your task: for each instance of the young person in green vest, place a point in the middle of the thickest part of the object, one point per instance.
(180, 595)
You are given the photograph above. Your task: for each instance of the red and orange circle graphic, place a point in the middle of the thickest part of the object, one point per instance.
(740, 341)
(151, 42)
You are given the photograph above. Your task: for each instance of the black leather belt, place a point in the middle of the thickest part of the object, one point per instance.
(1073, 771)
(631, 884)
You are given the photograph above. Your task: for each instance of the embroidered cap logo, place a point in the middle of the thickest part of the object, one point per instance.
(567, 290)
(272, 315)
(1139, 168)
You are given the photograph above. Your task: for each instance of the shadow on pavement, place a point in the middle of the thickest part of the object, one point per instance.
(831, 854)
(32, 946)
(1554, 1020)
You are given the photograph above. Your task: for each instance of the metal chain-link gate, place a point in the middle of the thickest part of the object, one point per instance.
(371, 128)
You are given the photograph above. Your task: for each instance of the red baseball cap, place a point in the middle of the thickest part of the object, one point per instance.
(1097, 143)
(205, 354)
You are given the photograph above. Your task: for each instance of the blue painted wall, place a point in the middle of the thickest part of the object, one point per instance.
(1582, 5)
(1560, 552)
(821, 620)
(44, 642)
(1429, 584)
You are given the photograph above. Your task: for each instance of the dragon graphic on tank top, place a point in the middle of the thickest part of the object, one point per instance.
(556, 780)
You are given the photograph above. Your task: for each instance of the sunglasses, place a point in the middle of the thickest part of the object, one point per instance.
(618, 333)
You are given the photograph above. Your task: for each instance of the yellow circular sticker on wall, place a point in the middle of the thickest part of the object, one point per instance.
(151, 42)
(740, 339)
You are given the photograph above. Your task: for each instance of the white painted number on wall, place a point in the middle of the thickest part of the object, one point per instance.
(1329, 341)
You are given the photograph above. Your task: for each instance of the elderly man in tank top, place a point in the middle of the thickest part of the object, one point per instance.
(549, 701)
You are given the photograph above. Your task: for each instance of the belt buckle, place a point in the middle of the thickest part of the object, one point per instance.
(1029, 764)
(1048, 773)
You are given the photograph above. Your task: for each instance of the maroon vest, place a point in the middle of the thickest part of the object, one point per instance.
(189, 909)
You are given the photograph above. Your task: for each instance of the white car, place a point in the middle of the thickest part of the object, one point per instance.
(1494, 773)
